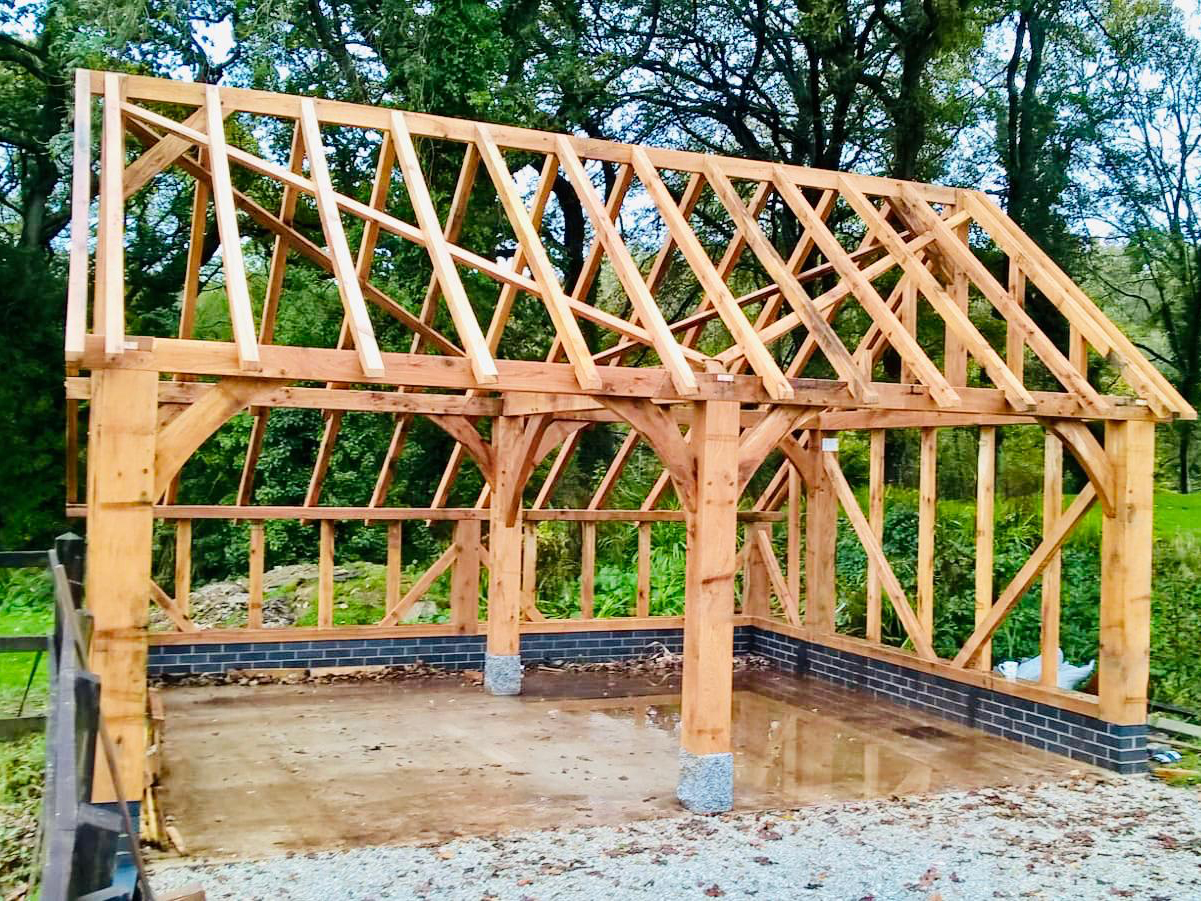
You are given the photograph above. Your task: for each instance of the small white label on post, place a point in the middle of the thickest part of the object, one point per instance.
(830, 444)
(725, 377)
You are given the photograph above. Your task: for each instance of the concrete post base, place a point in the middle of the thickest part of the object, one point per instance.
(706, 782)
(502, 674)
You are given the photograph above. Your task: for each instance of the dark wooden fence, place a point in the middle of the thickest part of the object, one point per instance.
(87, 852)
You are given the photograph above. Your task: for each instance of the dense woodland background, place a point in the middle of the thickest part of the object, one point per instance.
(1082, 118)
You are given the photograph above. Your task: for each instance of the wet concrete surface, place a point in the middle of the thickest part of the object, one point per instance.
(258, 770)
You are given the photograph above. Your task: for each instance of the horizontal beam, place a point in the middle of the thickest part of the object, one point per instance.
(422, 370)
(257, 513)
(344, 399)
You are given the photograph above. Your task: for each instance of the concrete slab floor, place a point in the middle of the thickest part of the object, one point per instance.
(258, 770)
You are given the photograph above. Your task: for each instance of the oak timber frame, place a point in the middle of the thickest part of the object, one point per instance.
(731, 372)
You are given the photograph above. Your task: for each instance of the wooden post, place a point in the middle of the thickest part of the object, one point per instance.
(1124, 664)
(927, 514)
(465, 579)
(756, 601)
(706, 762)
(254, 604)
(643, 606)
(954, 350)
(529, 569)
(986, 487)
(72, 450)
(502, 664)
(875, 519)
(1052, 510)
(793, 551)
(325, 576)
(183, 565)
(393, 566)
(587, 569)
(821, 533)
(1015, 346)
(120, 491)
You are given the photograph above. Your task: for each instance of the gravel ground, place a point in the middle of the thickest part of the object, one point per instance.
(1091, 837)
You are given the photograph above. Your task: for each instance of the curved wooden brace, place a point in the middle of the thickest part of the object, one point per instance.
(526, 454)
(762, 438)
(660, 431)
(1089, 454)
(463, 430)
(182, 436)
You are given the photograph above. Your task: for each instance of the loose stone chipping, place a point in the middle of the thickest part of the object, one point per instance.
(502, 674)
(706, 782)
(1086, 839)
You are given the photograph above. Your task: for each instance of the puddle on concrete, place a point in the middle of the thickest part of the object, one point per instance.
(255, 770)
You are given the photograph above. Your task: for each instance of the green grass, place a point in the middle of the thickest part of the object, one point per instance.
(1177, 514)
(26, 608)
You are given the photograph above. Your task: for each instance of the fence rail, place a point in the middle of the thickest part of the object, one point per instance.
(83, 848)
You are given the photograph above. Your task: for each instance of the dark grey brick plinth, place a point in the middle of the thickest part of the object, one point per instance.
(1084, 738)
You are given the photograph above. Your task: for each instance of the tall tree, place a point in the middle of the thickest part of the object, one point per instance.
(1149, 168)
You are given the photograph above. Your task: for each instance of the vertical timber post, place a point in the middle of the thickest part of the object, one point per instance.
(756, 597)
(1125, 657)
(465, 580)
(821, 532)
(502, 662)
(706, 762)
(120, 530)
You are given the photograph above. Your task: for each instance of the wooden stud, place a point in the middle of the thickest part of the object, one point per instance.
(468, 327)
(756, 600)
(954, 351)
(946, 307)
(1124, 664)
(1015, 344)
(875, 519)
(927, 516)
(626, 269)
(120, 492)
(548, 287)
(258, 553)
(529, 568)
(955, 254)
(183, 565)
(986, 482)
(1051, 588)
(393, 565)
(643, 606)
(465, 579)
(777, 268)
(821, 533)
(81, 199)
(359, 323)
(587, 569)
(793, 552)
(707, 689)
(325, 576)
(109, 307)
(716, 290)
(898, 336)
(504, 542)
(236, 289)
(71, 451)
